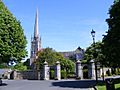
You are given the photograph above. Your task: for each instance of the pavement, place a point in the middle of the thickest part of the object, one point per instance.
(47, 85)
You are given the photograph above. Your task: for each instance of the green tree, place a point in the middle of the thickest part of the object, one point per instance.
(115, 1)
(100, 58)
(111, 41)
(3, 65)
(51, 56)
(89, 53)
(20, 66)
(26, 63)
(12, 39)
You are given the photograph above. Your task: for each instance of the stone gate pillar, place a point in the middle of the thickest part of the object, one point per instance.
(79, 73)
(46, 71)
(57, 71)
(91, 70)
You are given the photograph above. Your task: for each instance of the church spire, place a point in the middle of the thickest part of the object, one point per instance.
(35, 41)
(36, 26)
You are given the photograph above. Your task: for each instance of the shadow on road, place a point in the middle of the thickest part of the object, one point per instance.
(75, 84)
(3, 84)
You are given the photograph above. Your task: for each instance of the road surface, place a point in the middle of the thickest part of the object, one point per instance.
(46, 85)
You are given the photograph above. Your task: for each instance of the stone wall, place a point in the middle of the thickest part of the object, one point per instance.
(44, 74)
(31, 74)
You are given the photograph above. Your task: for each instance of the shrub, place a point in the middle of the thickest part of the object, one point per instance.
(85, 73)
(51, 74)
(71, 75)
(78, 78)
(63, 74)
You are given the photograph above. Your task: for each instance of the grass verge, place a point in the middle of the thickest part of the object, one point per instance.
(103, 87)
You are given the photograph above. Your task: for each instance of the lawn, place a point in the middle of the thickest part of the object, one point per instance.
(103, 87)
(117, 86)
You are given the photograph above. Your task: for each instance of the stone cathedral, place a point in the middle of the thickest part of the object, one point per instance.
(35, 41)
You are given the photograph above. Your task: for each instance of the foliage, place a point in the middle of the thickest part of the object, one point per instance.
(103, 86)
(3, 65)
(85, 73)
(52, 74)
(111, 41)
(63, 74)
(67, 65)
(91, 50)
(26, 63)
(95, 52)
(12, 39)
(117, 86)
(84, 61)
(20, 67)
(115, 1)
(71, 75)
(117, 71)
(51, 56)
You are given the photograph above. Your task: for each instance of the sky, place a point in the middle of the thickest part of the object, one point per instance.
(63, 24)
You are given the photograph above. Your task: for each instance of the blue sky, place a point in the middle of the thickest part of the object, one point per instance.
(63, 24)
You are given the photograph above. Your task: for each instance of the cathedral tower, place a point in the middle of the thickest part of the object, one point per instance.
(35, 41)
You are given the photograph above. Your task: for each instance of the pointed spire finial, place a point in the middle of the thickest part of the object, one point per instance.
(36, 25)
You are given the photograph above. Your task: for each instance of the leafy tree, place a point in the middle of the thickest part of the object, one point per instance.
(20, 66)
(26, 63)
(111, 41)
(115, 1)
(3, 65)
(51, 56)
(97, 49)
(100, 58)
(12, 39)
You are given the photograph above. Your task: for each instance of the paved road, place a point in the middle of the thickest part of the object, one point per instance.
(46, 85)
